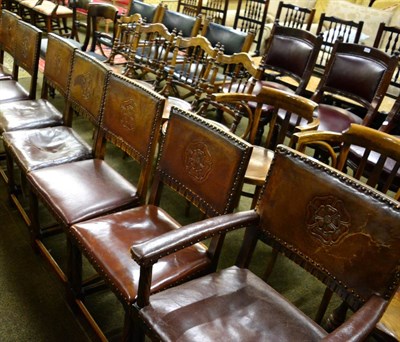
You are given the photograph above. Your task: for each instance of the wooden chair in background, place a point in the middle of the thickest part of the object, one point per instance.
(325, 226)
(215, 10)
(294, 16)
(250, 17)
(189, 7)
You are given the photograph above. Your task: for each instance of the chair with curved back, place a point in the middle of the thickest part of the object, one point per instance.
(252, 18)
(201, 164)
(26, 46)
(332, 29)
(358, 74)
(325, 232)
(282, 103)
(388, 39)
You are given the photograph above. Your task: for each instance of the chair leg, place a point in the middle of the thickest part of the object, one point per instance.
(74, 269)
(271, 264)
(337, 317)
(324, 305)
(34, 228)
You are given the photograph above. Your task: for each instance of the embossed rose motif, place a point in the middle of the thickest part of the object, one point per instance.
(128, 108)
(25, 47)
(198, 161)
(86, 82)
(327, 219)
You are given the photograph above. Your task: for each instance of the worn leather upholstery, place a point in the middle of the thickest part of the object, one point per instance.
(336, 228)
(201, 163)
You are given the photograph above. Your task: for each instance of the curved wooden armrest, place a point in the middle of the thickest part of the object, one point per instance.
(147, 253)
(312, 126)
(362, 323)
(232, 97)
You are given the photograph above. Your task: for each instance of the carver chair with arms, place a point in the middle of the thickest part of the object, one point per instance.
(250, 17)
(92, 187)
(26, 56)
(285, 105)
(202, 164)
(332, 29)
(325, 232)
(360, 76)
(388, 39)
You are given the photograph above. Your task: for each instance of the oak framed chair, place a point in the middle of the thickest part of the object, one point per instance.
(251, 16)
(284, 106)
(200, 162)
(93, 185)
(33, 114)
(223, 301)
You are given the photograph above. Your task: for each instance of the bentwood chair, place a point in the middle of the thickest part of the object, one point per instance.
(332, 29)
(388, 39)
(282, 103)
(251, 16)
(92, 187)
(26, 56)
(31, 114)
(325, 226)
(354, 73)
(202, 164)
(9, 22)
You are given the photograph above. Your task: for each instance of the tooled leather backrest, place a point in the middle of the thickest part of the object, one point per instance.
(132, 117)
(203, 163)
(59, 56)
(345, 233)
(87, 86)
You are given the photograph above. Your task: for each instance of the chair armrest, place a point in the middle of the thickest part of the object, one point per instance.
(147, 253)
(232, 97)
(362, 323)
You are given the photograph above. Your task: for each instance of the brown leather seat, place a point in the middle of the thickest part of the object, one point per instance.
(235, 305)
(26, 57)
(201, 163)
(85, 189)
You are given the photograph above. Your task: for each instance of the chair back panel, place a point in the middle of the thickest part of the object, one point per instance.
(358, 72)
(9, 24)
(184, 24)
(60, 57)
(334, 226)
(203, 163)
(215, 10)
(232, 40)
(132, 117)
(294, 16)
(87, 86)
(190, 7)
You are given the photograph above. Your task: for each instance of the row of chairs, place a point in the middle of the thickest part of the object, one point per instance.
(197, 182)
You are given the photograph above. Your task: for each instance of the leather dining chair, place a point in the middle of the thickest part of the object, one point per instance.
(334, 231)
(32, 114)
(199, 162)
(83, 189)
(184, 24)
(150, 13)
(26, 45)
(359, 75)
